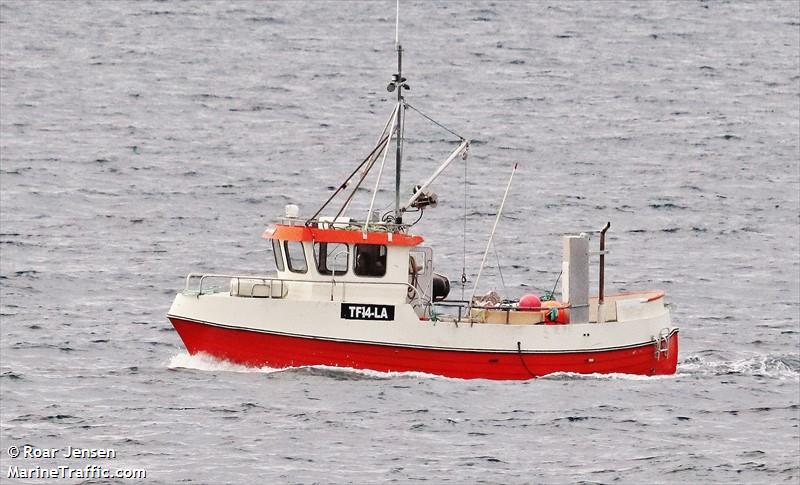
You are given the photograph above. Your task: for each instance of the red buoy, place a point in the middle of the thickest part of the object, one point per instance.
(528, 302)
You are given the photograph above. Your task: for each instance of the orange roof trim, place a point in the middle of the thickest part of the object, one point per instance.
(346, 236)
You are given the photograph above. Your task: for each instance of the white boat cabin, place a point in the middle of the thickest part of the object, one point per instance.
(341, 262)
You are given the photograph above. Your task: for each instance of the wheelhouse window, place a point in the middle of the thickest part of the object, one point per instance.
(416, 262)
(370, 260)
(276, 251)
(296, 256)
(331, 258)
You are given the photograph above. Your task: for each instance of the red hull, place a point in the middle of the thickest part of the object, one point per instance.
(259, 349)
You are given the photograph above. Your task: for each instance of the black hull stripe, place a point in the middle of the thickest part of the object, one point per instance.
(424, 347)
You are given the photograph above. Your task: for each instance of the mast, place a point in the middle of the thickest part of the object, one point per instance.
(398, 83)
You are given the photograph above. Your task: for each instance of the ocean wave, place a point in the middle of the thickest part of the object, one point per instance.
(773, 366)
(570, 376)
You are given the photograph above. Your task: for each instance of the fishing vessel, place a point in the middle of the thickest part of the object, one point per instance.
(363, 293)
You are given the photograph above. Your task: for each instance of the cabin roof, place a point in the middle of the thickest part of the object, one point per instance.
(336, 235)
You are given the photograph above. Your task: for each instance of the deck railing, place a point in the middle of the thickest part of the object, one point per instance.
(197, 284)
(257, 282)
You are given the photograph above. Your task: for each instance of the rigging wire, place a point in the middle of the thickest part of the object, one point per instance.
(491, 235)
(464, 156)
(552, 295)
(407, 105)
(347, 180)
(500, 270)
(383, 144)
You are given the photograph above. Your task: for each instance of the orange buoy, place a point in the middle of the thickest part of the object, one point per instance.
(561, 316)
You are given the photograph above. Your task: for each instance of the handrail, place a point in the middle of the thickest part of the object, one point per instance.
(354, 225)
(531, 309)
(656, 294)
(203, 276)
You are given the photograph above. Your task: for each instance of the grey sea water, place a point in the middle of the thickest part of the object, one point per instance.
(140, 141)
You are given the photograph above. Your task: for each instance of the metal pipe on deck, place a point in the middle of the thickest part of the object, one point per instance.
(601, 315)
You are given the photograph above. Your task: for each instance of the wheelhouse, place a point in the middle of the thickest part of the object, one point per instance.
(312, 253)
(341, 262)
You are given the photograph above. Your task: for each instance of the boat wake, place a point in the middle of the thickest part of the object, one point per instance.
(207, 363)
(349, 373)
(574, 376)
(772, 366)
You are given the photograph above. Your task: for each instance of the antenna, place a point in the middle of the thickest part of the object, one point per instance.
(399, 83)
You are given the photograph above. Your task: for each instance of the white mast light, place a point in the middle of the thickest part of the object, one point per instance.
(292, 211)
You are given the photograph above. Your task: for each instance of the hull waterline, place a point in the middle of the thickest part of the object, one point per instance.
(259, 348)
